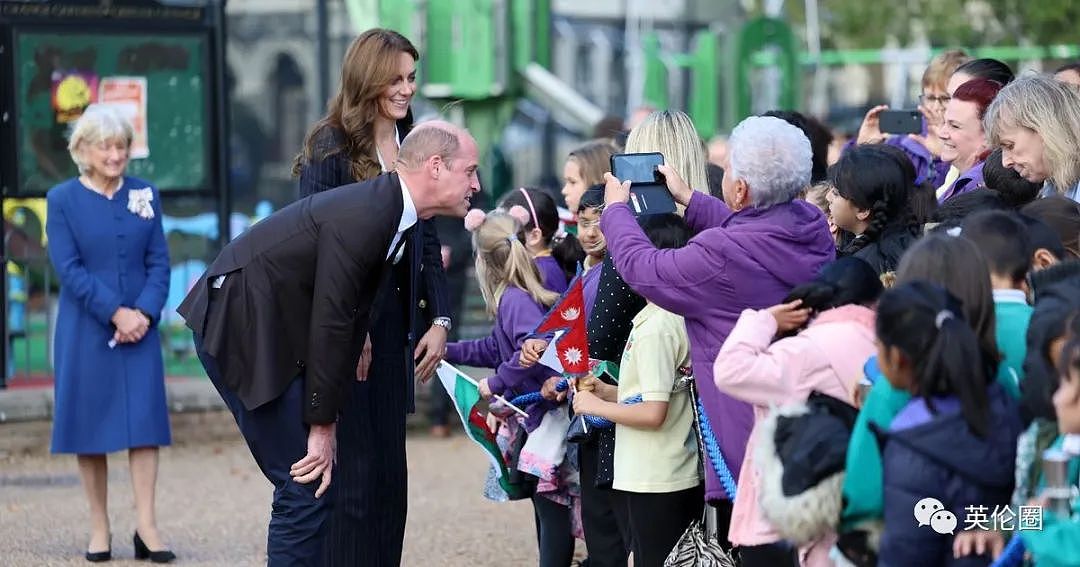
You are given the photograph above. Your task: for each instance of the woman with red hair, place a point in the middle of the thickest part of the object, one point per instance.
(963, 139)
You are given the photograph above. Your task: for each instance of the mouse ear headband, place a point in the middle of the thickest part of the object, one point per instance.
(476, 217)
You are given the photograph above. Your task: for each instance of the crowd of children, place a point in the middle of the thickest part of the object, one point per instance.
(905, 332)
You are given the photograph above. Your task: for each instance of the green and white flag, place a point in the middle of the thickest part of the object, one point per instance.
(465, 394)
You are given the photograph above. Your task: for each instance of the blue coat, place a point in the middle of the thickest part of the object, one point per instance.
(107, 399)
(938, 456)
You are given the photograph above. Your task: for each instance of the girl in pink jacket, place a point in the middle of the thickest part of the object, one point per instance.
(827, 356)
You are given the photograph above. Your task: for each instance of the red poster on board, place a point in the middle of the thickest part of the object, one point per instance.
(128, 94)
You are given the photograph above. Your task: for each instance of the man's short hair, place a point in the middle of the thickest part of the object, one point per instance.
(429, 139)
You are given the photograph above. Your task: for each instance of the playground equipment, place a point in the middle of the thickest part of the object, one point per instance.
(730, 61)
(479, 58)
(770, 44)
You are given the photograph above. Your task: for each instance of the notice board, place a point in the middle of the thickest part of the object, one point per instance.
(158, 80)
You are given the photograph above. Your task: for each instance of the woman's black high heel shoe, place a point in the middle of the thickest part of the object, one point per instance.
(100, 556)
(143, 552)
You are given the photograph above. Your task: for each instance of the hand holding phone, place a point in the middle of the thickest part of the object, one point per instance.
(648, 193)
(679, 189)
(615, 190)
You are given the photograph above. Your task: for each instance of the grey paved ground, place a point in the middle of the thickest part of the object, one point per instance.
(213, 504)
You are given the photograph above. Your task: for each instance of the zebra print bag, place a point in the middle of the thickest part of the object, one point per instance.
(696, 547)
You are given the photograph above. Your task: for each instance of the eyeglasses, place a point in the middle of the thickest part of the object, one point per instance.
(927, 100)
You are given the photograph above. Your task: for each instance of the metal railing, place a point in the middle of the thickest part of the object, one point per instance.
(32, 310)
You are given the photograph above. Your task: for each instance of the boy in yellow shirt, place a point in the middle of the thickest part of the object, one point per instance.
(656, 454)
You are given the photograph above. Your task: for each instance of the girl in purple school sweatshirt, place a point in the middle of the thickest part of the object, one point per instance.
(555, 253)
(511, 285)
(513, 292)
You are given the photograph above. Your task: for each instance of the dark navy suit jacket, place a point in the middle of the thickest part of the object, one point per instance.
(425, 284)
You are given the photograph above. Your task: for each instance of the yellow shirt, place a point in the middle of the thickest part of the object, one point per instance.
(664, 460)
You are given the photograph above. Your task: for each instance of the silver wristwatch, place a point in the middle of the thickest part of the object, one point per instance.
(443, 322)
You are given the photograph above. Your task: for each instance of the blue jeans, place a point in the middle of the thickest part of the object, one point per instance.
(277, 438)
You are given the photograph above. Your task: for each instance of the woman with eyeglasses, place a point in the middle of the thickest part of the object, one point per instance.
(923, 150)
(945, 74)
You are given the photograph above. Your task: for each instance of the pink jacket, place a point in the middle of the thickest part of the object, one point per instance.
(828, 356)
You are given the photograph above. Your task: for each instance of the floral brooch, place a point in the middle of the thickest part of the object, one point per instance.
(140, 202)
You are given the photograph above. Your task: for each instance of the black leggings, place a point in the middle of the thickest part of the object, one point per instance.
(554, 532)
(657, 520)
(607, 534)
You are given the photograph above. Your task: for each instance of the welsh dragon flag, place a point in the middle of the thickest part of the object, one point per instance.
(466, 396)
(568, 314)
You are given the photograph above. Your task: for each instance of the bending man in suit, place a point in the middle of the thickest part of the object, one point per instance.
(280, 316)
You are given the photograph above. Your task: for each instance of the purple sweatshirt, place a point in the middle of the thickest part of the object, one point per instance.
(745, 260)
(517, 317)
(551, 274)
(968, 181)
(590, 285)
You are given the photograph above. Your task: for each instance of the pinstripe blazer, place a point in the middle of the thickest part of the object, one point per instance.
(432, 299)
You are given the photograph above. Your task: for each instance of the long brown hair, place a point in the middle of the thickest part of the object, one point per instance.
(370, 65)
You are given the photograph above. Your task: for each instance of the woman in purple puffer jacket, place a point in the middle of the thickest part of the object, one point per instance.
(750, 250)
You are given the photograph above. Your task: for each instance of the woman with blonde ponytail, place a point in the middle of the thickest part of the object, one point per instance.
(511, 285)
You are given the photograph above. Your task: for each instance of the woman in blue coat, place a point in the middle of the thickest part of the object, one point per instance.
(108, 248)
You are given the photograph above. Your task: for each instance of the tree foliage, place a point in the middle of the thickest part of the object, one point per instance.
(859, 24)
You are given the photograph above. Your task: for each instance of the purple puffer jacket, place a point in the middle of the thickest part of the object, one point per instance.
(517, 317)
(745, 260)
